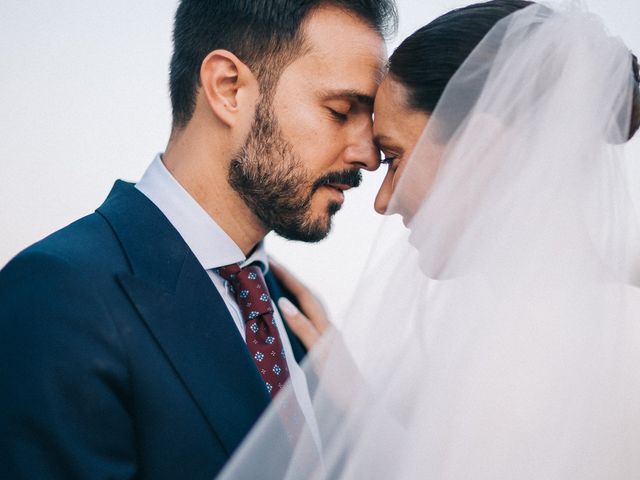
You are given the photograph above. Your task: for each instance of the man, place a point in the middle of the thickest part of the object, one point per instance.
(142, 341)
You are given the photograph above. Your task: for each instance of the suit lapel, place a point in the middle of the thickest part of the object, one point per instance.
(184, 312)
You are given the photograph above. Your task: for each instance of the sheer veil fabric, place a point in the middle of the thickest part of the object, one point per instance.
(497, 336)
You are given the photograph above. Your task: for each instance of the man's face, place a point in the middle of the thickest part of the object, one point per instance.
(310, 140)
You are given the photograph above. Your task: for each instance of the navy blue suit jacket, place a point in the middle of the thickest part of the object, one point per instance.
(119, 358)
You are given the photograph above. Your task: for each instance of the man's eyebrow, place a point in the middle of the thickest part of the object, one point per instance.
(348, 94)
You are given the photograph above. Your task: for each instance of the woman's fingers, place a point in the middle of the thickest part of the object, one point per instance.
(304, 329)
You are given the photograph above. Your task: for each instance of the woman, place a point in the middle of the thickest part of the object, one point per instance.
(498, 336)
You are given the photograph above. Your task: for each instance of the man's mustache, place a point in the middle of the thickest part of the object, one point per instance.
(351, 178)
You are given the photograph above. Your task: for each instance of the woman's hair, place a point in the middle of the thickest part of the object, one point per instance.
(426, 61)
(635, 108)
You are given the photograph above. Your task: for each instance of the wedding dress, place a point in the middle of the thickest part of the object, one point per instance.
(497, 336)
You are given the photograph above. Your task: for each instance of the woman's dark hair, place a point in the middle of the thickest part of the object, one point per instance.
(426, 61)
(635, 106)
(264, 34)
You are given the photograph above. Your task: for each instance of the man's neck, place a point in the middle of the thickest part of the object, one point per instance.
(204, 176)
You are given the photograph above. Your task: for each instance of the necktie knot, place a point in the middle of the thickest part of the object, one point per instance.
(249, 289)
(229, 272)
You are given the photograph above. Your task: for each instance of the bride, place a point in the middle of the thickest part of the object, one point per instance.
(497, 336)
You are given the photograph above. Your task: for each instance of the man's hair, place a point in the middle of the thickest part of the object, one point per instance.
(264, 34)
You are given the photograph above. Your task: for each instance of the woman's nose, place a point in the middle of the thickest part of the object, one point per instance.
(384, 194)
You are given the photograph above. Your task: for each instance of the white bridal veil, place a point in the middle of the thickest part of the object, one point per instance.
(498, 335)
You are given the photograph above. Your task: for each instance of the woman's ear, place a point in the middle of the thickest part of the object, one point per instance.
(229, 86)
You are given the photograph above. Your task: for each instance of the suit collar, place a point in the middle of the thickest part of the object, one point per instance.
(207, 240)
(154, 248)
(182, 308)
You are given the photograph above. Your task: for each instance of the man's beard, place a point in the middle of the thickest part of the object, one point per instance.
(274, 184)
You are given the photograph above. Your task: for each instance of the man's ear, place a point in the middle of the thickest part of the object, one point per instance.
(229, 86)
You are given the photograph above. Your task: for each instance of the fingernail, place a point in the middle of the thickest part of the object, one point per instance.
(286, 306)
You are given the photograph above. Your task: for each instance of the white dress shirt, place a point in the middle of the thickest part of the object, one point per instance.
(214, 248)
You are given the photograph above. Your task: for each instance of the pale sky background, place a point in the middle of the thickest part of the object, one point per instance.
(85, 101)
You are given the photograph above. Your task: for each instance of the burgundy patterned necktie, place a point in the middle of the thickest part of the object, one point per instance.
(263, 339)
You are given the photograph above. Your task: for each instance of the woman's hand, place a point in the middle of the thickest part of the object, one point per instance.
(310, 325)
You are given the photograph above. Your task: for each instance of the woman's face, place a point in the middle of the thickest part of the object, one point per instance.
(396, 129)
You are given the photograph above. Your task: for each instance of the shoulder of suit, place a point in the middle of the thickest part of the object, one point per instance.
(86, 247)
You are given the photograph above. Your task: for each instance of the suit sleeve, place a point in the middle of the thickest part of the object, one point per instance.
(64, 386)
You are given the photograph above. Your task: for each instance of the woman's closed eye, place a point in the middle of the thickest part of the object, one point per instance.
(389, 154)
(387, 160)
(388, 157)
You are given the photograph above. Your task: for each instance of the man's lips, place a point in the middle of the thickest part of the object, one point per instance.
(339, 186)
(336, 190)
(340, 182)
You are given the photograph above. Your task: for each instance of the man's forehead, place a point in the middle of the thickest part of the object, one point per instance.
(346, 73)
(343, 57)
(338, 77)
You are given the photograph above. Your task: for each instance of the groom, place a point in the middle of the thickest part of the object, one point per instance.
(142, 341)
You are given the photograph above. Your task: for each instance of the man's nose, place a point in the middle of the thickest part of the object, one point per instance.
(362, 153)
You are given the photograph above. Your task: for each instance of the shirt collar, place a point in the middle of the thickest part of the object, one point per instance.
(209, 243)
